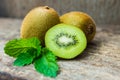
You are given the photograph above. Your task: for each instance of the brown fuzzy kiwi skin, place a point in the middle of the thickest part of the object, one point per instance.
(38, 21)
(82, 21)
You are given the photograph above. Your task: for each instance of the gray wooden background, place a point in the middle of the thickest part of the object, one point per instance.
(102, 11)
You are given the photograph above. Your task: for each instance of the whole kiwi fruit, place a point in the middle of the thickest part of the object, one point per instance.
(65, 41)
(82, 21)
(38, 21)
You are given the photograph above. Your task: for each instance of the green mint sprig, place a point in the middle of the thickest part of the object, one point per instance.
(17, 46)
(25, 58)
(27, 51)
(47, 64)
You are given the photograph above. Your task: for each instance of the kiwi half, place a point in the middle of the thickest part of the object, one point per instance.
(65, 41)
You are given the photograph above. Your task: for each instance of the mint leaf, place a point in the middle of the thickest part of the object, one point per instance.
(29, 50)
(15, 47)
(47, 63)
(25, 58)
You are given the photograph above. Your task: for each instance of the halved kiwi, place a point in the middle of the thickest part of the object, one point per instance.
(65, 41)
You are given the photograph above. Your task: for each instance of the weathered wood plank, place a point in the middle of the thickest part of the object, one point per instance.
(103, 11)
(100, 60)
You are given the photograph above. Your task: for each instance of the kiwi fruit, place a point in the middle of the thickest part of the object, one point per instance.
(65, 41)
(82, 21)
(38, 21)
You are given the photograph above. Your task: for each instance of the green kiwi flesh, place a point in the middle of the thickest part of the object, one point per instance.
(65, 41)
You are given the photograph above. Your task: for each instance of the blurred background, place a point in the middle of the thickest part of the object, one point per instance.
(102, 11)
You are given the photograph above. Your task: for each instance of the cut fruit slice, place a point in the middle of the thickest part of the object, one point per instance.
(65, 41)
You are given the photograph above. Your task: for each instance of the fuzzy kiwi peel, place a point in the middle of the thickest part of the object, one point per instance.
(38, 21)
(82, 21)
(65, 41)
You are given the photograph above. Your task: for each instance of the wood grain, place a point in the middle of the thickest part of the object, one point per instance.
(102, 11)
(99, 61)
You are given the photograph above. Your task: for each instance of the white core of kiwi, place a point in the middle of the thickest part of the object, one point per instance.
(65, 40)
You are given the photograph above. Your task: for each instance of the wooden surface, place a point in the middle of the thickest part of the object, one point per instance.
(100, 60)
(103, 11)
